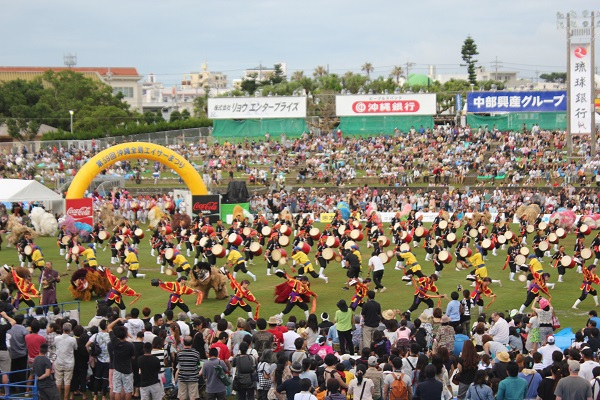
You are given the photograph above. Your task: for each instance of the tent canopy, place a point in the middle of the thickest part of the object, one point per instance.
(21, 190)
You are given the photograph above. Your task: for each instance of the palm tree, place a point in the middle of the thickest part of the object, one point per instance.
(397, 72)
(297, 75)
(368, 68)
(320, 71)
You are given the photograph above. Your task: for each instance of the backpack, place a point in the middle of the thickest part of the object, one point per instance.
(398, 389)
(95, 349)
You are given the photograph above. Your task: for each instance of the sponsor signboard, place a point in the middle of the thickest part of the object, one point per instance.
(81, 210)
(386, 104)
(207, 206)
(256, 107)
(488, 102)
(581, 88)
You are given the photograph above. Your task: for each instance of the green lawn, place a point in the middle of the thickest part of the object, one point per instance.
(398, 295)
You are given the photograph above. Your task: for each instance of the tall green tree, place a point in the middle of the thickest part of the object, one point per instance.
(319, 71)
(278, 76)
(368, 68)
(396, 73)
(468, 52)
(297, 75)
(554, 77)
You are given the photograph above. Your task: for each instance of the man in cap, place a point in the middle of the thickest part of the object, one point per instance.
(573, 387)
(292, 385)
(547, 350)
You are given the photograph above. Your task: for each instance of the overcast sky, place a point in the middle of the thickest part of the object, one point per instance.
(170, 38)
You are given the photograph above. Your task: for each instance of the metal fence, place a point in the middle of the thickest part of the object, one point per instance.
(165, 138)
(23, 385)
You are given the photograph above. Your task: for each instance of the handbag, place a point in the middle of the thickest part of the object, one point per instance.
(455, 377)
(555, 322)
(272, 394)
(222, 375)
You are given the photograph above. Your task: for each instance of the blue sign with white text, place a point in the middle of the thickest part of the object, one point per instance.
(488, 102)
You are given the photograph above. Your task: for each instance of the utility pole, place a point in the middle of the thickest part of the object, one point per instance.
(408, 66)
(496, 64)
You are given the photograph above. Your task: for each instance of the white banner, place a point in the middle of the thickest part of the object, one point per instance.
(256, 107)
(581, 86)
(386, 104)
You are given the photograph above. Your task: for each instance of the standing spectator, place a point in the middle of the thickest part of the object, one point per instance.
(548, 384)
(343, 323)
(245, 368)
(18, 348)
(134, 324)
(123, 354)
(453, 310)
(4, 355)
(42, 368)
(429, 388)
(532, 378)
(215, 389)
(188, 368)
(585, 371)
(221, 346)
(102, 360)
(305, 391)
(547, 350)
(265, 368)
(513, 387)
(480, 390)
(79, 382)
(291, 386)
(388, 380)
(65, 359)
(467, 367)
(371, 313)
(262, 340)
(573, 387)
(376, 376)
(361, 387)
(150, 366)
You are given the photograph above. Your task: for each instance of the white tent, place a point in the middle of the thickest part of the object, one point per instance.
(15, 190)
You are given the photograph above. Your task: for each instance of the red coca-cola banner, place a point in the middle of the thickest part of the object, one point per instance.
(207, 206)
(81, 210)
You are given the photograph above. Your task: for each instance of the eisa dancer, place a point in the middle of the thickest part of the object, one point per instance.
(118, 290)
(177, 290)
(242, 294)
(589, 278)
(298, 293)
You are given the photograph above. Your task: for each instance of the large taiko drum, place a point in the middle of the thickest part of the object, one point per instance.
(139, 233)
(348, 245)
(542, 226)
(183, 233)
(284, 241)
(568, 262)
(333, 241)
(285, 230)
(586, 253)
(247, 231)
(445, 256)
(404, 247)
(167, 230)
(170, 253)
(234, 239)
(390, 253)
(524, 251)
(530, 229)
(170, 271)
(327, 254)
(473, 233)
(207, 229)
(585, 229)
(487, 244)
(457, 224)
(383, 257)
(509, 235)
(337, 257)
(443, 224)
(544, 245)
(553, 237)
(266, 231)
(375, 228)
(256, 248)
(119, 245)
(65, 239)
(192, 239)
(305, 247)
(482, 229)
(103, 235)
(406, 237)
(125, 231)
(561, 233)
(501, 239)
(384, 241)
(278, 254)
(357, 235)
(421, 232)
(451, 238)
(357, 225)
(342, 229)
(465, 252)
(202, 241)
(315, 233)
(28, 250)
(218, 250)
(520, 259)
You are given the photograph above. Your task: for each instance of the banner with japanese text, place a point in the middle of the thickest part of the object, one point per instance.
(488, 102)
(256, 107)
(581, 86)
(386, 104)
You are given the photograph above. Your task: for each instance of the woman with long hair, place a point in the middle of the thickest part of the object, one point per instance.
(361, 388)
(282, 370)
(343, 323)
(312, 330)
(480, 390)
(467, 367)
(265, 370)
(417, 374)
(546, 387)
(441, 374)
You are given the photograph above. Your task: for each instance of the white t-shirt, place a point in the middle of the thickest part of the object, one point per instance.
(354, 389)
(305, 396)
(376, 263)
(183, 328)
(289, 338)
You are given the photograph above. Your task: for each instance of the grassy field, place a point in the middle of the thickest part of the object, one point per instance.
(398, 296)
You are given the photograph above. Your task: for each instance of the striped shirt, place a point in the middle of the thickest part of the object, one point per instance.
(160, 354)
(188, 363)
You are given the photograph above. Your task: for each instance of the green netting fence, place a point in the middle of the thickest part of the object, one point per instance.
(230, 128)
(515, 121)
(383, 124)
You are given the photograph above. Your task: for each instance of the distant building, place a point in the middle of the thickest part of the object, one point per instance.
(263, 72)
(121, 79)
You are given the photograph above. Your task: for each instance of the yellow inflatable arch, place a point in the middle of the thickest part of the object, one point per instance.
(127, 151)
